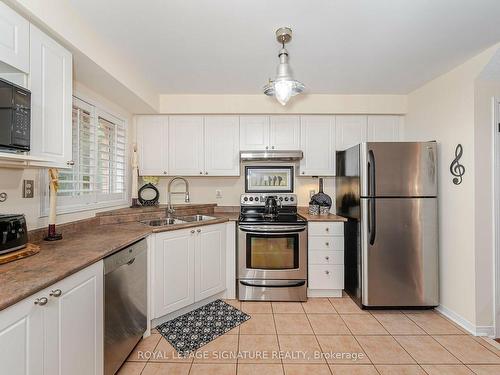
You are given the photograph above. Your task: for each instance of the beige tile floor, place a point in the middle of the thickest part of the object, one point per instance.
(325, 336)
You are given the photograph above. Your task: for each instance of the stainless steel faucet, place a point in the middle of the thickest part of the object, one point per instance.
(170, 208)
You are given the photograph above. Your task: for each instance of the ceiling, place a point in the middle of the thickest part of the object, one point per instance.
(338, 46)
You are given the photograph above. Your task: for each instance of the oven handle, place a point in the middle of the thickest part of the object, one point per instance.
(272, 229)
(265, 284)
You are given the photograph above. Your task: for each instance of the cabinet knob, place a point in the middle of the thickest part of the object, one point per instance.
(41, 301)
(206, 173)
(55, 293)
(267, 147)
(198, 230)
(164, 172)
(201, 172)
(327, 243)
(327, 258)
(327, 272)
(303, 172)
(70, 162)
(272, 147)
(192, 232)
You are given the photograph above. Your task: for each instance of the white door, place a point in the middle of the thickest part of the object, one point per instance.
(74, 324)
(254, 133)
(384, 128)
(350, 130)
(210, 261)
(174, 268)
(50, 82)
(14, 39)
(317, 138)
(222, 145)
(152, 145)
(185, 151)
(21, 338)
(284, 133)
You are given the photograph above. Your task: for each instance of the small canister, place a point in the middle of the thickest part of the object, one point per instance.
(324, 210)
(313, 209)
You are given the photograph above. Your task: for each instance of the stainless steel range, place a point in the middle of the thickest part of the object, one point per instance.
(272, 248)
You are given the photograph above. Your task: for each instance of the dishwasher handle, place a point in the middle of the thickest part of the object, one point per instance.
(124, 257)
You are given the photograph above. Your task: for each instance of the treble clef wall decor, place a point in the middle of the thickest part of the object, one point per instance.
(457, 169)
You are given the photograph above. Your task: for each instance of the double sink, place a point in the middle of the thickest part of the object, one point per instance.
(180, 220)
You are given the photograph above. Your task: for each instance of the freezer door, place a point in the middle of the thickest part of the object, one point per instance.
(399, 252)
(398, 169)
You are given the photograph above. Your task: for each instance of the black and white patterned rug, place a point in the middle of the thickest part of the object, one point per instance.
(194, 329)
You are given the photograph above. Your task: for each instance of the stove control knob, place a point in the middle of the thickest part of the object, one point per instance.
(286, 199)
(245, 199)
(291, 199)
(256, 199)
(251, 199)
(281, 198)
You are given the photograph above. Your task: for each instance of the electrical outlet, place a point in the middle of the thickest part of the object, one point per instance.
(218, 193)
(28, 188)
(311, 193)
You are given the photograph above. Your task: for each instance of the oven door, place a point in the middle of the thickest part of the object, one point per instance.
(277, 252)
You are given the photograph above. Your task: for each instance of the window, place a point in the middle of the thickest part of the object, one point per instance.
(98, 176)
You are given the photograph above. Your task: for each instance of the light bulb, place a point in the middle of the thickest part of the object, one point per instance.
(283, 91)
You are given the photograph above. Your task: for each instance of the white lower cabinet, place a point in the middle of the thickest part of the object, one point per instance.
(57, 331)
(189, 266)
(325, 259)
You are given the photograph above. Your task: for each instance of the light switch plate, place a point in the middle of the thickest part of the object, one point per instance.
(28, 188)
(218, 193)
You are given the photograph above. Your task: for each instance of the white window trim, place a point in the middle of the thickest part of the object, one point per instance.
(44, 181)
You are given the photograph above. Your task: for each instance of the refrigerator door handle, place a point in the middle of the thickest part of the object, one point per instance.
(371, 173)
(372, 221)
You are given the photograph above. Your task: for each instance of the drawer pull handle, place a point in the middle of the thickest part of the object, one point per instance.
(327, 272)
(327, 229)
(41, 301)
(55, 293)
(327, 258)
(327, 243)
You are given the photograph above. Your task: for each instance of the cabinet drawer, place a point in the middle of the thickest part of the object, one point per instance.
(326, 228)
(326, 277)
(326, 243)
(324, 257)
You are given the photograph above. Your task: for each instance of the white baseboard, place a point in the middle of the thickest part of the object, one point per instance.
(324, 292)
(488, 331)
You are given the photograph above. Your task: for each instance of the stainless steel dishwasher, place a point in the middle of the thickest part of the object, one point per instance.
(125, 303)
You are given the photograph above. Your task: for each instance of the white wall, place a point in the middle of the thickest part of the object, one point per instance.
(443, 110)
(202, 189)
(301, 104)
(11, 180)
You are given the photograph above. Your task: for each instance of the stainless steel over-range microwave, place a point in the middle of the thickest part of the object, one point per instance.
(15, 114)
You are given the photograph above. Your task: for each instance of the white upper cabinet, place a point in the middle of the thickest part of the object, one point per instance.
(384, 128)
(14, 39)
(222, 146)
(51, 99)
(185, 151)
(152, 145)
(317, 139)
(284, 133)
(350, 130)
(254, 133)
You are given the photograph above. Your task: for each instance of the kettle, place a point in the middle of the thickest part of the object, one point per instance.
(271, 205)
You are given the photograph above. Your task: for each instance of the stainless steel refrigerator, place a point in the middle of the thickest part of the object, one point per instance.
(388, 190)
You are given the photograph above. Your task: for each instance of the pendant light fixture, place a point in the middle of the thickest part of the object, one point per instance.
(284, 86)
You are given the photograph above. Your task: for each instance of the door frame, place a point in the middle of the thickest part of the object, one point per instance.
(496, 212)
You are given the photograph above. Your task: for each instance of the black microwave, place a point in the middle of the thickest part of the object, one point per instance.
(15, 117)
